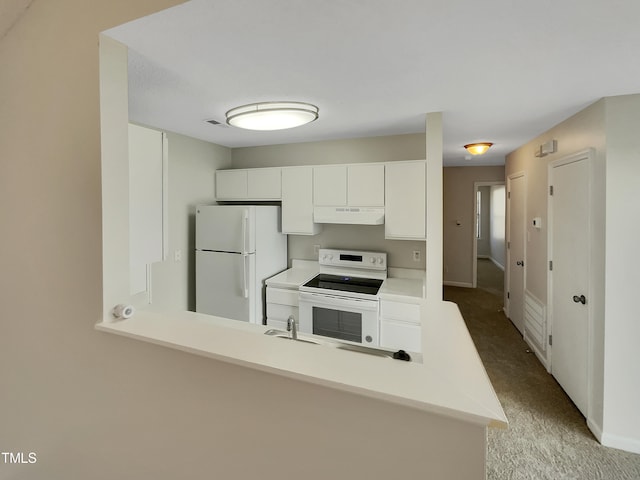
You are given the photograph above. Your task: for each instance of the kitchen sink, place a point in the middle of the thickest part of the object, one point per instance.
(282, 334)
(378, 352)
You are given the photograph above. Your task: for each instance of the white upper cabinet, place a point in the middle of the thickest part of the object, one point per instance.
(249, 184)
(297, 201)
(330, 186)
(352, 185)
(231, 184)
(405, 200)
(365, 185)
(264, 183)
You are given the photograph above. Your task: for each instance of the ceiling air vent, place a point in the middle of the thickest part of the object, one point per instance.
(216, 122)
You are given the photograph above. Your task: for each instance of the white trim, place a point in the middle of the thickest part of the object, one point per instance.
(458, 284)
(495, 262)
(622, 443)
(595, 429)
(583, 155)
(541, 357)
(165, 196)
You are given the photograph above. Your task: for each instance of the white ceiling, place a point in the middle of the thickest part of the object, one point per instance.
(500, 70)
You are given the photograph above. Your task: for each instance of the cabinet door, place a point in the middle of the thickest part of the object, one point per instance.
(231, 184)
(365, 185)
(264, 184)
(400, 335)
(330, 186)
(297, 201)
(405, 200)
(147, 197)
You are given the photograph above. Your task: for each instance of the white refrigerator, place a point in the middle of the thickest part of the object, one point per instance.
(237, 248)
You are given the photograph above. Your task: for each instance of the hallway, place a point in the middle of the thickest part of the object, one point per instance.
(547, 438)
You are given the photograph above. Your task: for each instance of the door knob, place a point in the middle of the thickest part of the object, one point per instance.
(580, 299)
(520, 263)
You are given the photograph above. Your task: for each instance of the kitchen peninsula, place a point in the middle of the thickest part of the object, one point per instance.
(450, 385)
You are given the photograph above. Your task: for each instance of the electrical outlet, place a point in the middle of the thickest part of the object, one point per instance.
(416, 255)
(316, 249)
(177, 255)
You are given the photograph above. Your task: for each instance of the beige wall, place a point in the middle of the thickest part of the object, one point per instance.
(358, 150)
(371, 149)
(583, 130)
(192, 166)
(610, 127)
(458, 219)
(101, 407)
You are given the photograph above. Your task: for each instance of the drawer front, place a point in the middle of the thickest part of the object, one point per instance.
(279, 312)
(282, 296)
(396, 335)
(406, 312)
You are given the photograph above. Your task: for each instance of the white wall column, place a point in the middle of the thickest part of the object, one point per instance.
(434, 206)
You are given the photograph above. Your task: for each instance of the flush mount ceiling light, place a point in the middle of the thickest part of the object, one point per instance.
(272, 115)
(478, 148)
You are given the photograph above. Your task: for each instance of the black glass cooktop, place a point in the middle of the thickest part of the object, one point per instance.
(368, 286)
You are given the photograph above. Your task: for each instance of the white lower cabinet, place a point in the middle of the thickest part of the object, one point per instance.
(281, 303)
(400, 326)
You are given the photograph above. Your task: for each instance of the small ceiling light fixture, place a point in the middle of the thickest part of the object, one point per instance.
(478, 148)
(272, 115)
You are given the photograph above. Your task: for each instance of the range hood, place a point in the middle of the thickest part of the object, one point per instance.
(349, 215)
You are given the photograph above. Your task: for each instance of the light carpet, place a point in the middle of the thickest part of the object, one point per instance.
(547, 438)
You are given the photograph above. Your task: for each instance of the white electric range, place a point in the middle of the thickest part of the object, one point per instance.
(342, 300)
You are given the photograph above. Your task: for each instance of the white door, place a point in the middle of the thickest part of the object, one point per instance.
(225, 285)
(569, 276)
(225, 228)
(516, 249)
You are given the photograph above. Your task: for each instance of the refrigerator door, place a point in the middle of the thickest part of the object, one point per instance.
(225, 228)
(225, 285)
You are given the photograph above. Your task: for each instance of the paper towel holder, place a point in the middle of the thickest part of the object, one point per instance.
(122, 311)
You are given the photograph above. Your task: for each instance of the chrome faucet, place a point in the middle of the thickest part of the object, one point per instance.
(291, 327)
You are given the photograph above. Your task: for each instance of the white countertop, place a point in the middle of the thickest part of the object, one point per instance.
(407, 290)
(450, 381)
(299, 274)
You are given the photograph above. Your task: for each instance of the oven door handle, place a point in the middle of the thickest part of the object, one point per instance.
(331, 301)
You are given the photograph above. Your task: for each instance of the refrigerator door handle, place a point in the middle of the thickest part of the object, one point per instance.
(245, 288)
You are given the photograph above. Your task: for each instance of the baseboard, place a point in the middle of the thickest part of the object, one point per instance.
(542, 357)
(483, 256)
(457, 284)
(621, 443)
(501, 267)
(595, 429)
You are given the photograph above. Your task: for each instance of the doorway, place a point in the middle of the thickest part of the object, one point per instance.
(489, 236)
(516, 249)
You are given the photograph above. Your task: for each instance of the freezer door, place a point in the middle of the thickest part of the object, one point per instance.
(225, 285)
(225, 228)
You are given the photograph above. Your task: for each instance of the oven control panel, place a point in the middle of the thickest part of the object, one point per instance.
(352, 259)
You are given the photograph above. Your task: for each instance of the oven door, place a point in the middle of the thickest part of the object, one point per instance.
(351, 319)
